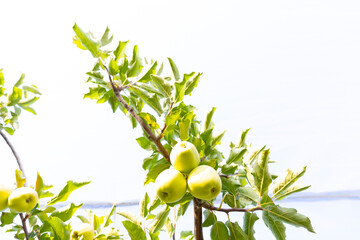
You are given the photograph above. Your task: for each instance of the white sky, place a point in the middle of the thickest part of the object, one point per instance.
(287, 69)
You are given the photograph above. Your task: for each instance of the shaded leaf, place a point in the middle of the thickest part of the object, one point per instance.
(249, 221)
(134, 230)
(236, 233)
(219, 231)
(276, 227)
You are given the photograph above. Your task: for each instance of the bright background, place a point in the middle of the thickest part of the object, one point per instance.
(287, 69)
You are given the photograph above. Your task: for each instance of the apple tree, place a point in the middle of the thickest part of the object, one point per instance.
(22, 214)
(154, 101)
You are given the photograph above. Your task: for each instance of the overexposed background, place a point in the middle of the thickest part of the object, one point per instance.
(287, 69)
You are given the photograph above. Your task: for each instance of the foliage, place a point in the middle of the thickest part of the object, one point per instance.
(156, 102)
(11, 102)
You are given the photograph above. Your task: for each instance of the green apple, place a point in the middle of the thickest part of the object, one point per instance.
(170, 185)
(4, 195)
(184, 157)
(23, 199)
(204, 182)
(84, 230)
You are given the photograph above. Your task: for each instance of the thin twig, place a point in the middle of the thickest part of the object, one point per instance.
(227, 210)
(14, 153)
(23, 219)
(144, 125)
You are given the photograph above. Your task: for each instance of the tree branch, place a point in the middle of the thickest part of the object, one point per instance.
(14, 153)
(198, 220)
(144, 125)
(23, 219)
(227, 210)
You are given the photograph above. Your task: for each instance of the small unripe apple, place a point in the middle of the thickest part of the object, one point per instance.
(4, 195)
(170, 185)
(204, 182)
(23, 199)
(184, 157)
(84, 230)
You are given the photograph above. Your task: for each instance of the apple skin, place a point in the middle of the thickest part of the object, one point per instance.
(184, 157)
(204, 182)
(170, 185)
(84, 230)
(23, 199)
(4, 195)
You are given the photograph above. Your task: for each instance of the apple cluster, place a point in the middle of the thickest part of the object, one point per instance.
(20, 200)
(201, 181)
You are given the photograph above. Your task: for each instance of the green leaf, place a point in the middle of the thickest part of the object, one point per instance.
(236, 233)
(276, 227)
(15, 96)
(9, 130)
(134, 230)
(249, 221)
(67, 212)
(209, 218)
(163, 85)
(174, 69)
(219, 231)
(149, 119)
(191, 84)
(155, 202)
(248, 193)
(28, 102)
(290, 216)
(284, 181)
(254, 155)
(145, 143)
(159, 220)
(130, 216)
(120, 50)
(59, 228)
(291, 190)
(20, 179)
(172, 117)
(217, 139)
(150, 98)
(20, 81)
(262, 177)
(78, 43)
(2, 79)
(184, 129)
(40, 187)
(236, 155)
(7, 217)
(169, 227)
(145, 75)
(143, 205)
(187, 235)
(32, 89)
(66, 191)
(29, 109)
(207, 124)
(95, 92)
(135, 65)
(108, 216)
(105, 39)
(87, 41)
(241, 142)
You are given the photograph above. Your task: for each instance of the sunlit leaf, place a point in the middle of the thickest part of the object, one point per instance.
(105, 39)
(135, 231)
(66, 191)
(159, 220)
(87, 41)
(67, 212)
(130, 216)
(262, 177)
(143, 205)
(286, 180)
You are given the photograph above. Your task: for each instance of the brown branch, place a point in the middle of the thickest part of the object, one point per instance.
(227, 210)
(144, 125)
(14, 153)
(23, 219)
(198, 220)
